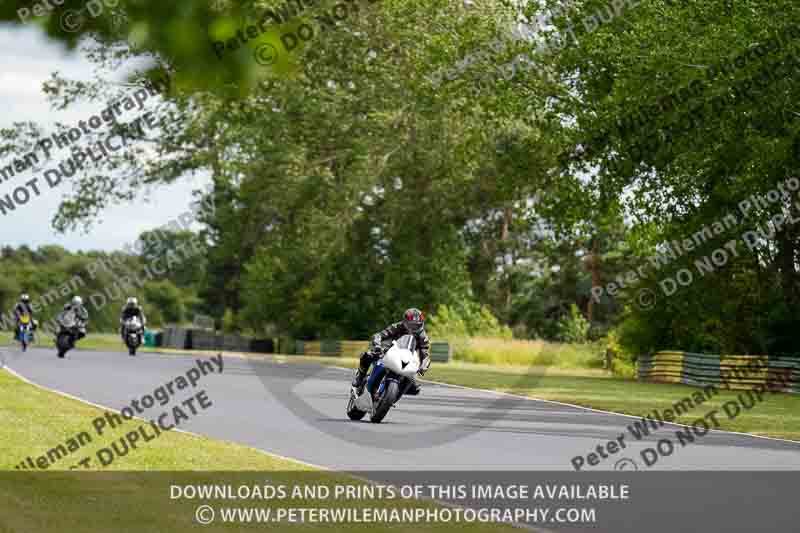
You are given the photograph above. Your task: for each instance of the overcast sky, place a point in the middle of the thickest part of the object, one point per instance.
(28, 59)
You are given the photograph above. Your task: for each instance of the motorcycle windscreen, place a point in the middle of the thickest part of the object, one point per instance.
(407, 342)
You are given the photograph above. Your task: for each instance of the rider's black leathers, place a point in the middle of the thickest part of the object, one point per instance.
(382, 341)
(391, 333)
(83, 318)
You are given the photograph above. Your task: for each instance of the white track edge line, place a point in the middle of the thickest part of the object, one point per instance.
(264, 452)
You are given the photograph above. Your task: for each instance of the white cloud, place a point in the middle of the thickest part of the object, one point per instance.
(35, 58)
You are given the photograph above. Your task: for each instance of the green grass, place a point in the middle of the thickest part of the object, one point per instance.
(33, 420)
(778, 415)
(131, 495)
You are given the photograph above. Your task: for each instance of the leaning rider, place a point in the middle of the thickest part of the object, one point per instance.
(413, 323)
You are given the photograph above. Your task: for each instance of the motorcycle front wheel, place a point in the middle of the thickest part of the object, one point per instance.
(63, 344)
(386, 401)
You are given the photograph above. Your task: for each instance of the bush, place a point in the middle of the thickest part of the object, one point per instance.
(229, 322)
(478, 337)
(471, 321)
(573, 327)
(482, 323)
(167, 298)
(623, 361)
(459, 326)
(530, 352)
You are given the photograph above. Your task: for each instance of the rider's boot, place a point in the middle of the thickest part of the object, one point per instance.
(359, 380)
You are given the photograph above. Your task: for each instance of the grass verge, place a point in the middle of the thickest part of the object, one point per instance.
(123, 500)
(33, 420)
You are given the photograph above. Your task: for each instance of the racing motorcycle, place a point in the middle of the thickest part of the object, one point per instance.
(69, 326)
(134, 333)
(390, 378)
(25, 332)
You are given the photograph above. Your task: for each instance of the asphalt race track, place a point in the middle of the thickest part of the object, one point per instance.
(297, 410)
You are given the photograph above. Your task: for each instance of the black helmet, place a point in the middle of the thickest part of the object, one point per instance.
(414, 320)
(25, 298)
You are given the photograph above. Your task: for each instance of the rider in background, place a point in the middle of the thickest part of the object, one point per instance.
(23, 307)
(81, 314)
(413, 323)
(129, 310)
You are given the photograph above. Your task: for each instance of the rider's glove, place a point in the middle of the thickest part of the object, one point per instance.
(426, 364)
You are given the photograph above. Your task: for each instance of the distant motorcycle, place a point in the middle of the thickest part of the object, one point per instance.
(68, 333)
(134, 333)
(25, 331)
(389, 379)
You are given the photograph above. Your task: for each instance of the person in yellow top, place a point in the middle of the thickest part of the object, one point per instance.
(23, 308)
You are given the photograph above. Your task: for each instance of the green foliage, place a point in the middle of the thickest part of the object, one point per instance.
(573, 328)
(484, 204)
(683, 163)
(466, 320)
(446, 324)
(166, 297)
(166, 249)
(52, 275)
(230, 324)
(622, 359)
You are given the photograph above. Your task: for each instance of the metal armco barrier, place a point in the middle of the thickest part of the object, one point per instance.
(441, 352)
(200, 339)
(175, 338)
(736, 372)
